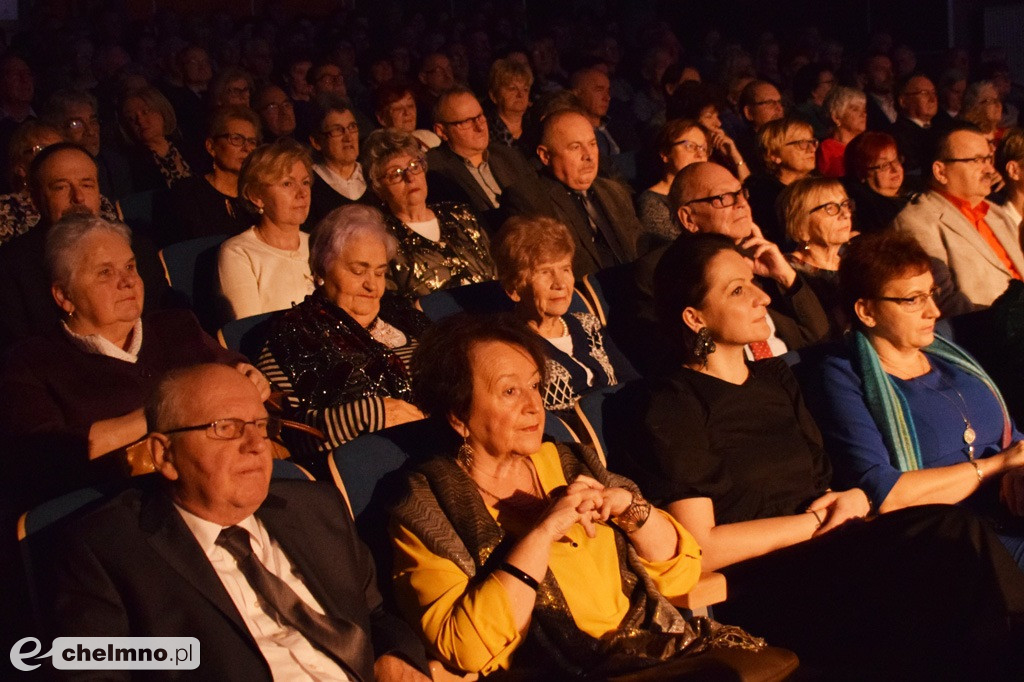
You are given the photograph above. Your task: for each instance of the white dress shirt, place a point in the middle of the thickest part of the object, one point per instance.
(353, 187)
(288, 653)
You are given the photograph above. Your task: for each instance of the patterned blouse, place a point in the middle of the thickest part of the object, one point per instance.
(567, 379)
(461, 256)
(173, 166)
(18, 214)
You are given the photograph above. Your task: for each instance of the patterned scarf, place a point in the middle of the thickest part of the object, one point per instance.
(888, 406)
(444, 510)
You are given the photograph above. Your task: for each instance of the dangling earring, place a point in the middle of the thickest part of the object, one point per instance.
(704, 346)
(464, 456)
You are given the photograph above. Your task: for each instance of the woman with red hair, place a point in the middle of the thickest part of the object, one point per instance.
(875, 180)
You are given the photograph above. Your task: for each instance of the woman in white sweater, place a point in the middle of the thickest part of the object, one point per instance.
(266, 267)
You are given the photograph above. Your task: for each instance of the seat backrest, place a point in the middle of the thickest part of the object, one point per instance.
(246, 335)
(190, 265)
(137, 208)
(483, 297)
(590, 411)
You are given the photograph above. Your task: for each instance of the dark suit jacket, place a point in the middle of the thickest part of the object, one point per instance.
(553, 200)
(133, 568)
(915, 144)
(877, 120)
(450, 180)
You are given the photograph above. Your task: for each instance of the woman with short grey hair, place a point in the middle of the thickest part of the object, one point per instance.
(75, 394)
(848, 109)
(440, 245)
(342, 354)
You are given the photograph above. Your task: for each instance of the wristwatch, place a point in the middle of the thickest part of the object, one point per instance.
(635, 516)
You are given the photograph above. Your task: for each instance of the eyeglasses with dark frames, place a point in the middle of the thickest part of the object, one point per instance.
(834, 208)
(465, 123)
(912, 304)
(233, 429)
(724, 200)
(338, 131)
(889, 166)
(804, 145)
(397, 175)
(236, 140)
(980, 160)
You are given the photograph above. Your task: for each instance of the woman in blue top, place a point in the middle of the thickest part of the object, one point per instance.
(907, 416)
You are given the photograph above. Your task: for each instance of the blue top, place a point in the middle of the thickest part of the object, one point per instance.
(859, 456)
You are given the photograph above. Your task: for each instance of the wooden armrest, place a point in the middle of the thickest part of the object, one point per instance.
(439, 673)
(709, 590)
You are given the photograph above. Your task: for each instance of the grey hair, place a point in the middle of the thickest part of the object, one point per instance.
(63, 252)
(840, 97)
(338, 228)
(384, 145)
(56, 108)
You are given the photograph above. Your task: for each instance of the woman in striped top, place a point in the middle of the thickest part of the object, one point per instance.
(341, 355)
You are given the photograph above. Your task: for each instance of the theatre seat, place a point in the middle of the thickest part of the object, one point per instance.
(482, 298)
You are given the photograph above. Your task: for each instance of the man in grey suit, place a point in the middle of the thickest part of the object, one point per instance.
(270, 577)
(974, 244)
(598, 212)
(467, 167)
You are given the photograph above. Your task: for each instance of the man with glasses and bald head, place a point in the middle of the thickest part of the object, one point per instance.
(467, 167)
(974, 244)
(269, 576)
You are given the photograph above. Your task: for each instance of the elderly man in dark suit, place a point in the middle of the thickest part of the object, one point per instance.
(598, 212)
(467, 167)
(268, 576)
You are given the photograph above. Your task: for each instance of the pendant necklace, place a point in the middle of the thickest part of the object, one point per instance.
(969, 434)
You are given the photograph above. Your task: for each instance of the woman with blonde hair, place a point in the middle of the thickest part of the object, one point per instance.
(266, 267)
(149, 124)
(508, 86)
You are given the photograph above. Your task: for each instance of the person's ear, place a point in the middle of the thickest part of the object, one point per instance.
(693, 319)
(939, 172)
(514, 295)
(315, 143)
(544, 155)
(746, 114)
(61, 297)
(1014, 171)
(686, 219)
(439, 131)
(209, 146)
(458, 425)
(162, 454)
(865, 311)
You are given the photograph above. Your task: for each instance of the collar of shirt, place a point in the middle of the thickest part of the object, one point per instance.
(98, 345)
(340, 184)
(973, 213)
(465, 159)
(207, 532)
(919, 123)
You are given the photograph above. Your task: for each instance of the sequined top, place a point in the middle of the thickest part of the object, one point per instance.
(337, 372)
(461, 256)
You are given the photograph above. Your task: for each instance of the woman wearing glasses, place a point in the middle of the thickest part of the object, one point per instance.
(337, 176)
(788, 146)
(439, 245)
(680, 143)
(818, 217)
(204, 205)
(874, 178)
(907, 416)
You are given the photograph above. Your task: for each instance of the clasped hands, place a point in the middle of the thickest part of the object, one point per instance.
(587, 502)
(835, 509)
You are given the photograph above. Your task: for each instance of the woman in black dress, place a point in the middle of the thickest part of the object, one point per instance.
(728, 448)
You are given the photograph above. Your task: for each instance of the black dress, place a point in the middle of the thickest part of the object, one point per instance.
(872, 599)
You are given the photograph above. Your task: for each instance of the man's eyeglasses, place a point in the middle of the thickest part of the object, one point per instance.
(914, 303)
(803, 145)
(397, 175)
(768, 102)
(236, 140)
(724, 200)
(930, 94)
(833, 208)
(691, 146)
(338, 131)
(890, 166)
(980, 160)
(275, 106)
(233, 429)
(467, 122)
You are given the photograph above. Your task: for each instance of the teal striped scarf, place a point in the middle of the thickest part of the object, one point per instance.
(888, 406)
